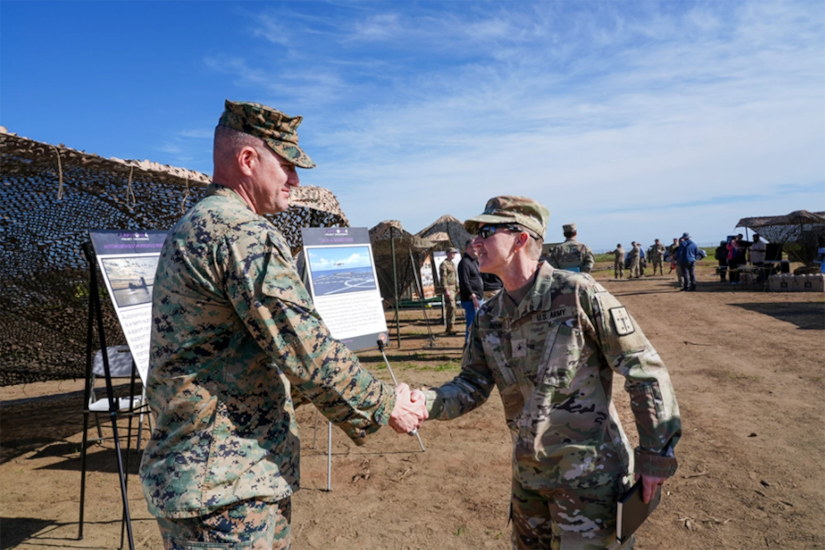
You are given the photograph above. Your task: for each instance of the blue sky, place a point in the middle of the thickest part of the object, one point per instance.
(635, 120)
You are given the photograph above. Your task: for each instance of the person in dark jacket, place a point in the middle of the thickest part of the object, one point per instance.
(722, 258)
(686, 257)
(492, 284)
(470, 285)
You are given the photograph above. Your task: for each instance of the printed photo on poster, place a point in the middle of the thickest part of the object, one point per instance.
(131, 279)
(339, 270)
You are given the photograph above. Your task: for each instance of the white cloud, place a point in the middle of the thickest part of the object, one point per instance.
(606, 112)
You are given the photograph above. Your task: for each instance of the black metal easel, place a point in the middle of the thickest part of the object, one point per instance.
(95, 313)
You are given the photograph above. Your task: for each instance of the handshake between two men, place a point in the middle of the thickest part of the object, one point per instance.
(410, 410)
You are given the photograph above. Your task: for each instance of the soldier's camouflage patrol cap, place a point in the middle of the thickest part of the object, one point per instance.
(452, 249)
(569, 228)
(279, 131)
(507, 209)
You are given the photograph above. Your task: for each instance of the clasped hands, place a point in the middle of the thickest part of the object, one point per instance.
(410, 409)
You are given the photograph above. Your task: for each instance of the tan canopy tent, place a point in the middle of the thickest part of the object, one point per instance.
(799, 232)
(50, 196)
(445, 232)
(383, 236)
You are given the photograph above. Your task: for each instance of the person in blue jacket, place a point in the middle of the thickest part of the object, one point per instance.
(686, 257)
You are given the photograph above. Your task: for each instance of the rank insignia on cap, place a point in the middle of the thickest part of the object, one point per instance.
(621, 321)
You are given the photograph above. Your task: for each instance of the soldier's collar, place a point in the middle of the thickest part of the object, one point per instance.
(537, 295)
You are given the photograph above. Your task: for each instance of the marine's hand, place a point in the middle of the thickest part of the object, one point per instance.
(410, 410)
(649, 486)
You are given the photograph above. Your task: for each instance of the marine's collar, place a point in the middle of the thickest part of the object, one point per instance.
(224, 191)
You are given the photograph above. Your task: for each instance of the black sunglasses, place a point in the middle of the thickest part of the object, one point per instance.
(490, 230)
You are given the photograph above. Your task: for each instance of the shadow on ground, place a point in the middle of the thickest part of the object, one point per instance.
(805, 315)
(18, 530)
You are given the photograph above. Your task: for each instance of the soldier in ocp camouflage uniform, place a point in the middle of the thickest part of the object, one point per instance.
(618, 261)
(635, 256)
(552, 342)
(572, 255)
(657, 255)
(449, 282)
(233, 329)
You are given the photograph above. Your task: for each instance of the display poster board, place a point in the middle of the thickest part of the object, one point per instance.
(427, 279)
(344, 285)
(128, 261)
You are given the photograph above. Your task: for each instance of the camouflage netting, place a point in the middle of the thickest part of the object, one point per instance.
(799, 232)
(50, 196)
(446, 231)
(405, 243)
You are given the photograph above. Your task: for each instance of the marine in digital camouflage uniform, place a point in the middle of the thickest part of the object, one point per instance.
(572, 255)
(449, 282)
(233, 330)
(552, 352)
(657, 256)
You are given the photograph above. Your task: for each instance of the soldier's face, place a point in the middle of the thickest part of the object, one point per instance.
(274, 179)
(496, 251)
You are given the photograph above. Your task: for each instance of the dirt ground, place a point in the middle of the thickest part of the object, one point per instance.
(748, 371)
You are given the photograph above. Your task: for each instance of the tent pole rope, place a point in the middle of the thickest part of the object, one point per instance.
(59, 174)
(130, 203)
(186, 196)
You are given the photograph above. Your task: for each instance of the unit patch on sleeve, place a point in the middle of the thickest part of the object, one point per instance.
(621, 321)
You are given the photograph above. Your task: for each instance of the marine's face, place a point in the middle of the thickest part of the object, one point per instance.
(274, 179)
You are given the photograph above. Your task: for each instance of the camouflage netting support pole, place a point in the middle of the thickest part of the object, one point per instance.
(395, 288)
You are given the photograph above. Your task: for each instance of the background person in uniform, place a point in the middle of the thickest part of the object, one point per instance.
(552, 341)
(571, 254)
(635, 256)
(470, 285)
(618, 261)
(233, 330)
(449, 282)
(672, 249)
(657, 255)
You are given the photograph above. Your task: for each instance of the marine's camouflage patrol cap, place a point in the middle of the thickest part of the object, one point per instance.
(506, 209)
(569, 228)
(279, 131)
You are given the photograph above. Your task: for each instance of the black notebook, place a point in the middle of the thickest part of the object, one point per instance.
(632, 511)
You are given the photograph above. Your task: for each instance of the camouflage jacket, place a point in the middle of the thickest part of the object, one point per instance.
(233, 329)
(657, 252)
(448, 276)
(618, 255)
(553, 359)
(572, 253)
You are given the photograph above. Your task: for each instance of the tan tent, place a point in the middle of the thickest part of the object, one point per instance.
(406, 244)
(446, 231)
(50, 196)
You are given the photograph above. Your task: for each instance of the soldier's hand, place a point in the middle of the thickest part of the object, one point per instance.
(410, 410)
(649, 486)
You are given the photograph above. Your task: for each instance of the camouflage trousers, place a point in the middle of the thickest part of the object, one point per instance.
(635, 267)
(658, 264)
(449, 312)
(567, 519)
(618, 269)
(250, 525)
